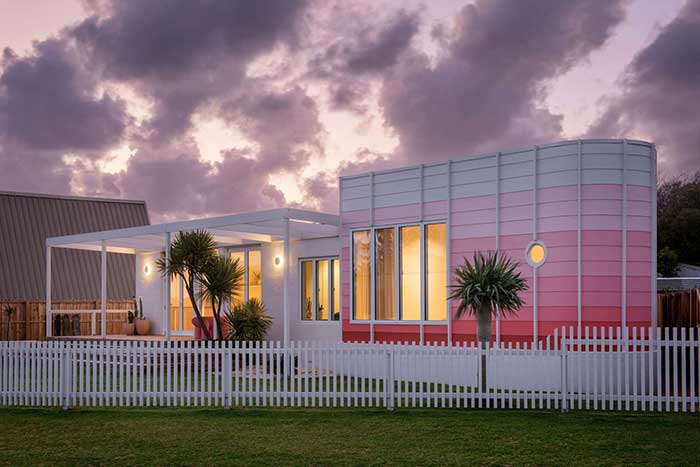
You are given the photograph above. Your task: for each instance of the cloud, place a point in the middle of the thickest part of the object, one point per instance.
(362, 46)
(182, 53)
(486, 89)
(48, 101)
(660, 95)
(178, 183)
(284, 123)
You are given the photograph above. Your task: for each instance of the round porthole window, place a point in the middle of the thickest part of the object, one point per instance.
(536, 254)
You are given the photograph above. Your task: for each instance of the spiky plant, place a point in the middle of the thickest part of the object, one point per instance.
(487, 285)
(190, 255)
(222, 279)
(248, 321)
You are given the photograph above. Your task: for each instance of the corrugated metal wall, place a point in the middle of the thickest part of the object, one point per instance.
(26, 220)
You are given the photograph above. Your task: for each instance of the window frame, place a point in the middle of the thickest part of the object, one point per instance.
(331, 276)
(246, 253)
(397, 275)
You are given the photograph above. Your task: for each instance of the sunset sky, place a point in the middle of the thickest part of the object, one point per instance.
(206, 107)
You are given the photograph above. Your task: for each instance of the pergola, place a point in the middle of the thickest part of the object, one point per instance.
(284, 224)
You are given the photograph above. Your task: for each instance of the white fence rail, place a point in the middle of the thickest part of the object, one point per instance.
(600, 369)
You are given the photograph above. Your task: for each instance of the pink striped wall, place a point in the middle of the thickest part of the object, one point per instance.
(478, 223)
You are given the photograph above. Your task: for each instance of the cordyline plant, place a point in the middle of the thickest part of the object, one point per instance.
(190, 255)
(248, 321)
(220, 281)
(487, 285)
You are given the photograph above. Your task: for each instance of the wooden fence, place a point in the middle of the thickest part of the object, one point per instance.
(680, 308)
(29, 320)
(602, 369)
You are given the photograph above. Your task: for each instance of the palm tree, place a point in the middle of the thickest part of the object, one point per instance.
(190, 255)
(487, 286)
(222, 279)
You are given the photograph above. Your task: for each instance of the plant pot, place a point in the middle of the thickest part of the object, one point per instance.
(143, 326)
(128, 329)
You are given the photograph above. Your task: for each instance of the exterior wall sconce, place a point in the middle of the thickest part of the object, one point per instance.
(278, 261)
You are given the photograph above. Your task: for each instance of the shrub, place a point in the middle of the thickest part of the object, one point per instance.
(247, 321)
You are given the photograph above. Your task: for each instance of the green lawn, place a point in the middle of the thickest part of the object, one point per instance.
(343, 437)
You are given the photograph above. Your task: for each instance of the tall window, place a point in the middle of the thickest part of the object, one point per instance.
(251, 286)
(320, 289)
(181, 310)
(436, 271)
(410, 273)
(384, 273)
(361, 274)
(410, 264)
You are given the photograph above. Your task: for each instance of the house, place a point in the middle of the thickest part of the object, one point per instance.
(579, 216)
(27, 220)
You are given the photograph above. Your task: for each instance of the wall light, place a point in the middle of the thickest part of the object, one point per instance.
(536, 254)
(147, 269)
(278, 261)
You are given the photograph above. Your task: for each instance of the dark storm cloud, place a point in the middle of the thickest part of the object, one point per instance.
(661, 92)
(49, 102)
(368, 47)
(183, 53)
(486, 90)
(285, 124)
(167, 38)
(179, 184)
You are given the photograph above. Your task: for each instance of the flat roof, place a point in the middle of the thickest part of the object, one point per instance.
(233, 229)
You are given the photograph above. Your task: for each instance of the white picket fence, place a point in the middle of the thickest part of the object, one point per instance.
(598, 369)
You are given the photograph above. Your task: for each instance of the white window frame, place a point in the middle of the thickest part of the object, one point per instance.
(314, 269)
(397, 278)
(246, 251)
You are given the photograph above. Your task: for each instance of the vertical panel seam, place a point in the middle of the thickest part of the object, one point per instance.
(579, 303)
(448, 246)
(624, 234)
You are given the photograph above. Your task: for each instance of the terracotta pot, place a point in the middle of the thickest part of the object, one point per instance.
(128, 329)
(143, 326)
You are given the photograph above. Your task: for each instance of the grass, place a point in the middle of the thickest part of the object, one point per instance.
(343, 437)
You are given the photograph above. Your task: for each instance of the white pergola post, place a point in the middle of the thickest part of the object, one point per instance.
(103, 289)
(166, 288)
(285, 282)
(48, 292)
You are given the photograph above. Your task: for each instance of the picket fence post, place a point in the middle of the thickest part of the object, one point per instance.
(65, 376)
(227, 375)
(389, 380)
(564, 355)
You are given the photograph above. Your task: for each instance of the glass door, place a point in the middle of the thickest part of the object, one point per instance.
(181, 310)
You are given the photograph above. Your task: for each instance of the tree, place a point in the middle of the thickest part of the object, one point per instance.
(667, 262)
(221, 279)
(678, 218)
(484, 287)
(190, 256)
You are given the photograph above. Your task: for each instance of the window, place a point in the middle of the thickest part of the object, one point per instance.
(361, 274)
(436, 271)
(320, 289)
(181, 310)
(384, 272)
(407, 266)
(410, 273)
(251, 287)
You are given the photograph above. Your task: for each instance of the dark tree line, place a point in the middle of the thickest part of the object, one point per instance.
(678, 218)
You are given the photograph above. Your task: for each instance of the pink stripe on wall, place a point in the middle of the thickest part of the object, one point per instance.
(473, 203)
(398, 214)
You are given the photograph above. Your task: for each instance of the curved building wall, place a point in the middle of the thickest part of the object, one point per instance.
(591, 203)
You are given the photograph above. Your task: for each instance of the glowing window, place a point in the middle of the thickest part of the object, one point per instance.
(536, 254)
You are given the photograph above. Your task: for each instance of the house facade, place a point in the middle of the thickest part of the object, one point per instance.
(579, 217)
